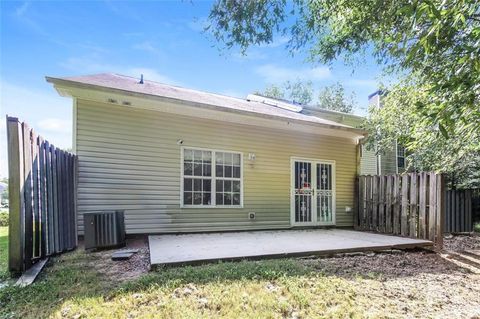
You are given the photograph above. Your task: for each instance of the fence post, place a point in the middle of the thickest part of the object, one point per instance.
(75, 195)
(356, 208)
(28, 195)
(16, 215)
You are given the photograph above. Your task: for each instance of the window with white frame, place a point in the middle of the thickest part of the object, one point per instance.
(211, 178)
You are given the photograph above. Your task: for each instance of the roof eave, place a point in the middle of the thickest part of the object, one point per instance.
(360, 133)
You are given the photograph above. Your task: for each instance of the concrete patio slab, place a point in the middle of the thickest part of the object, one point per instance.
(198, 248)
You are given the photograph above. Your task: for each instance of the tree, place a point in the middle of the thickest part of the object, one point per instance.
(397, 121)
(4, 194)
(297, 91)
(432, 43)
(273, 91)
(333, 98)
(300, 91)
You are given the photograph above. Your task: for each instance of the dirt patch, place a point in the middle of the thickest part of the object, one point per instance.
(387, 265)
(413, 284)
(462, 242)
(123, 270)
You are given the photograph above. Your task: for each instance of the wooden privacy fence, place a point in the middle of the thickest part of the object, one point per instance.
(410, 205)
(460, 210)
(42, 196)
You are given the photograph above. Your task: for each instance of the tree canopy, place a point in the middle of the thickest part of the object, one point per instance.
(431, 47)
(427, 150)
(436, 42)
(331, 97)
(297, 91)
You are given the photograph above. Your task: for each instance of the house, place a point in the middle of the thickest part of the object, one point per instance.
(181, 160)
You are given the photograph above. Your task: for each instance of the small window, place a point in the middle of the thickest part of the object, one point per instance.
(211, 178)
(400, 156)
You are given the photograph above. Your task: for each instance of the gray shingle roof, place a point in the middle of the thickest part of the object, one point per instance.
(130, 84)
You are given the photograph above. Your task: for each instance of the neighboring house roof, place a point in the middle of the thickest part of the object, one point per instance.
(127, 84)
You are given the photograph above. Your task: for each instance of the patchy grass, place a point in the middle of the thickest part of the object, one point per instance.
(262, 289)
(71, 288)
(404, 285)
(69, 277)
(3, 253)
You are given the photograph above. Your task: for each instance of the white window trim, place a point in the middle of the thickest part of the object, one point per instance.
(213, 178)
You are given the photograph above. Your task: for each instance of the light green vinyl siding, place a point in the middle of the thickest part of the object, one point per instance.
(129, 159)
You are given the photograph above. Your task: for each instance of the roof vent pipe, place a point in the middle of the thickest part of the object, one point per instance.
(141, 79)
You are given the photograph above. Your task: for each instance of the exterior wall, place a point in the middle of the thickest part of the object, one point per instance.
(129, 159)
(368, 161)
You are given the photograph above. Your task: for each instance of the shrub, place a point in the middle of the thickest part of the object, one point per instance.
(476, 227)
(4, 218)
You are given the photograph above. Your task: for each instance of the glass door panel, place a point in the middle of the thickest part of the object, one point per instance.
(324, 193)
(303, 192)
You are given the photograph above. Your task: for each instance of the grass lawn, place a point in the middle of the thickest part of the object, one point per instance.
(71, 288)
(3, 252)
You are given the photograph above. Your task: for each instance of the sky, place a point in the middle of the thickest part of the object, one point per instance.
(163, 40)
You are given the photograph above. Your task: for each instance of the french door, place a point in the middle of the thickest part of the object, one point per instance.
(312, 192)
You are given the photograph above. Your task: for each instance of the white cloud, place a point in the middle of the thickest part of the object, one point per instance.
(147, 46)
(198, 24)
(273, 73)
(86, 64)
(20, 11)
(363, 82)
(35, 106)
(94, 64)
(55, 125)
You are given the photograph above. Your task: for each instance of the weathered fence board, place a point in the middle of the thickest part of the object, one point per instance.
(42, 201)
(396, 204)
(16, 184)
(422, 208)
(404, 210)
(408, 205)
(388, 206)
(460, 210)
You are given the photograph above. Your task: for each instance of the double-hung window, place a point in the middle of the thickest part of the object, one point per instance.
(211, 178)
